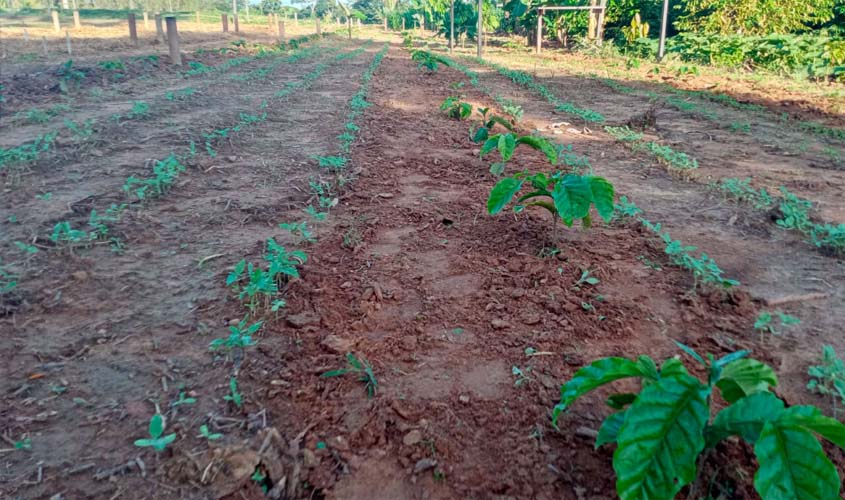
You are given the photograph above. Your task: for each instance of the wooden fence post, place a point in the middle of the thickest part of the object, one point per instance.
(235, 20)
(539, 30)
(295, 19)
(133, 29)
(44, 45)
(159, 28)
(146, 21)
(57, 27)
(173, 41)
(76, 22)
(318, 27)
(281, 31)
(224, 18)
(67, 40)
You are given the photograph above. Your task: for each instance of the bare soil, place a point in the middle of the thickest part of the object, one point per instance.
(408, 272)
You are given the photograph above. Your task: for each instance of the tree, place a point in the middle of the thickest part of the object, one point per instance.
(754, 17)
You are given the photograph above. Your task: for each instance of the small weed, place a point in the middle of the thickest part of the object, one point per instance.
(765, 323)
(828, 378)
(586, 279)
(240, 336)
(156, 440)
(205, 433)
(234, 395)
(360, 367)
(299, 230)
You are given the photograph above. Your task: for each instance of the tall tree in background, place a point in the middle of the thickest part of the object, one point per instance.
(754, 17)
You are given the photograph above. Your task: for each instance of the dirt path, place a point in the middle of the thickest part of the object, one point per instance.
(104, 336)
(447, 304)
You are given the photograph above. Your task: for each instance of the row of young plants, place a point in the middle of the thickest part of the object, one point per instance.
(794, 212)
(662, 431)
(260, 287)
(143, 189)
(676, 162)
(15, 161)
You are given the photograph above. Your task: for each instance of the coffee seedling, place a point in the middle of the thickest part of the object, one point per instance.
(234, 395)
(828, 378)
(487, 124)
(456, 109)
(765, 323)
(586, 279)
(566, 196)
(427, 60)
(240, 336)
(507, 143)
(156, 440)
(183, 400)
(360, 367)
(204, 432)
(299, 230)
(661, 431)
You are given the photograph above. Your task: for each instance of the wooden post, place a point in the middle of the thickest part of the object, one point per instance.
(133, 30)
(224, 18)
(173, 41)
(67, 39)
(661, 48)
(385, 23)
(159, 28)
(451, 25)
(44, 45)
(235, 20)
(600, 27)
(57, 27)
(480, 32)
(349, 27)
(296, 19)
(592, 23)
(146, 21)
(403, 24)
(270, 21)
(76, 22)
(318, 27)
(281, 31)
(540, 30)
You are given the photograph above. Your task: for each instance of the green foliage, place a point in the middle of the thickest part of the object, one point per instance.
(741, 190)
(507, 143)
(332, 162)
(673, 159)
(164, 176)
(256, 285)
(568, 196)
(234, 395)
(157, 441)
(661, 431)
(69, 76)
(753, 17)
(828, 378)
(26, 153)
(211, 436)
(427, 60)
(456, 109)
(240, 336)
(81, 131)
(360, 367)
(8, 280)
(636, 30)
(114, 65)
(299, 230)
(488, 122)
(765, 322)
(181, 94)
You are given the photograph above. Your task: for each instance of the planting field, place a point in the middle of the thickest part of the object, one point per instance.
(305, 271)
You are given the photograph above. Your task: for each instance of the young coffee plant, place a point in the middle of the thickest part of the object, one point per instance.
(456, 109)
(828, 378)
(257, 286)
(359, 367)
(234, 395)
(661, 431)
(240, 336)
(164, 176)
(299, 230)
(566, 196)
(765, 323)
(427, 60)
(487, 125)
(156, 440)
(506, 144)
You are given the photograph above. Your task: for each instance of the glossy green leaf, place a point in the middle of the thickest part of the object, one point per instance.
(661, 439)
(502, 193)
(812, 419)
(603, 195)
(744, 377)
(609, 429)
(540, 144)
(745, 418)
(572, 197)
(596, 374)
(793, 465)
(619, 401)
(480, 135)
(506, 145)
(490, 144)
(156, 426)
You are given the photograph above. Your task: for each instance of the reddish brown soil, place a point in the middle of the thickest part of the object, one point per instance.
(409, 273)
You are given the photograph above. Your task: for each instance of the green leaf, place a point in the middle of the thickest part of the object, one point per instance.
(689, 350)
(490, 144)
(597, 374)
(501, 121)
(497, 168)
(572, 197)
(156, 426)
(603, 195)
(744, 377)
(811, 418)
(793, 465)
(335, 373)
(609, 429)
(502, 193)
(540, 144)
(745, 418)
(480, 135)
(506, 145)
(661, 439)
